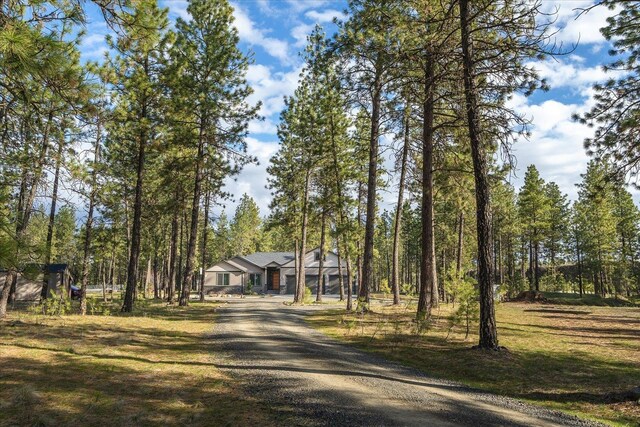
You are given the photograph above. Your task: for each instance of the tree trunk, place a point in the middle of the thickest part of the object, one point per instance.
(536, 252)
(531, 273)
(52, 218)
(296, 264)
(488, 331)
(301, 284)
(319, 289)
(193, 232)
(103, 282)
(132, 268)
(397, 227)
(88, 228)
(349, 276)
(372, 181)
(156, 273)
(427, 263)
(460, 244)
(204, 242)
(340, 278)
(173, 252)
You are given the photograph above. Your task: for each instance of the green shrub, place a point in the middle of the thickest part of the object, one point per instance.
(384, 287)
(98, 308)
(468, 310)
(308, 295)
(408, 289)
(58, 304)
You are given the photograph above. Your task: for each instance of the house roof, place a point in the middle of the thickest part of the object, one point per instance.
(56, 268)
(228, 265)
(262, 259)
(50, 268)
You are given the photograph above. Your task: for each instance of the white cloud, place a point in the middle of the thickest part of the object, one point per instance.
(252, 178)
(323, 16)
(556, 143)
(249, 33)
(298, 6)
(300, 33)
(570, 72)
(270, 87)
(93, 39)
(570, 28)
(177, 8)
(93, 45)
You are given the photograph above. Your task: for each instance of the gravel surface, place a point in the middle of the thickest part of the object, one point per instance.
(312, 380)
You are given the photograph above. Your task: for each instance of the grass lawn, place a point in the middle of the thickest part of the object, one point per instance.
(154, 367)
(582, 360)
(591, 299)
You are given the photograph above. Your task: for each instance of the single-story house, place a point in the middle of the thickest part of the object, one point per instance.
(272, 273)
(28, 287)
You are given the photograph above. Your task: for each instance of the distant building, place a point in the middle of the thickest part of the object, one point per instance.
(272, 273)
(29, 288)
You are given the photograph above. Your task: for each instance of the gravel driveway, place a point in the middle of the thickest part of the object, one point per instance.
(310, 379)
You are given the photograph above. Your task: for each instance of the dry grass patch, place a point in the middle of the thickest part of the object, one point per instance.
(154, 367)
(583, 360)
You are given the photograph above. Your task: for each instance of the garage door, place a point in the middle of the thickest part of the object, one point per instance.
(291, 284)
(333, 287)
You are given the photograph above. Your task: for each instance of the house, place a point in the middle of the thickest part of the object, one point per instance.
(29, 286)
(272, 273)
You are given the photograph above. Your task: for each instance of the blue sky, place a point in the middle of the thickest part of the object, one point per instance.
(275, 31)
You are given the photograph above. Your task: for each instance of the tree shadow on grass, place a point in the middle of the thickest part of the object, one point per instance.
(70, 390)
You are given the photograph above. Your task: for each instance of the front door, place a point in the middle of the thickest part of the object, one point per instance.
(275, 280)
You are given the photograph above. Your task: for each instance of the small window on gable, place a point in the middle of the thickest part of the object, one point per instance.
(316, 256)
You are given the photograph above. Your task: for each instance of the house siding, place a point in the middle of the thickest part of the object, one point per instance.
(239, 270)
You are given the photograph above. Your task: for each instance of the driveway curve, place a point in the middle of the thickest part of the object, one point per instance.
(310, 379)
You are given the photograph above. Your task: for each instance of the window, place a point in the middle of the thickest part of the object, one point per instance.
(223, 279)
(255, 280)
(316, 256)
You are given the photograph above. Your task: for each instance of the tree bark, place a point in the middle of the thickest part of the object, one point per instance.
(427, 265)
(321, 261)
(372, 181)
(349, 275)
(88, 228)
(296, 264)
(52, 218)
(173, 252)
(536, 251)
(397, 227)
(204, 242)
(340, 278)
(301, 284)
(193, 232)
(488, 332)
(132, 268)
(460, 244)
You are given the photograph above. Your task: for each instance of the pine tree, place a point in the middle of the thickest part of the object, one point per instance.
(245, 229)
(615, 113)
(209, 76)
(135, 73)
(557, 227)
(534, 206)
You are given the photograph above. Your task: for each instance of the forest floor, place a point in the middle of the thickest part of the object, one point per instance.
(152, 367)
(582, 360)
